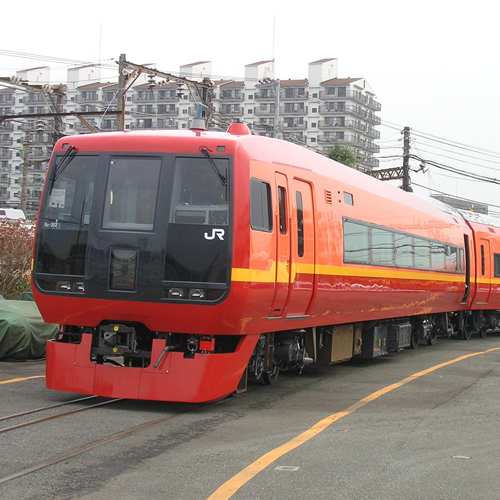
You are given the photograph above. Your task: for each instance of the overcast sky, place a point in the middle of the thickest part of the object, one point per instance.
(432, 64)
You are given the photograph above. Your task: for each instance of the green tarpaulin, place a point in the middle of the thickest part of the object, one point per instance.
(23, 333)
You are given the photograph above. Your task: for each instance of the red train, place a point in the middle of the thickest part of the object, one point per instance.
(179, 262)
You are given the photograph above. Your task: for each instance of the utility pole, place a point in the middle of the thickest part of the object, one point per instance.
(120, 104)
(276, 108)
(24, 180)
(406, 160)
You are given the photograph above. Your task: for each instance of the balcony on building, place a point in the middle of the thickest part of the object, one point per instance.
(368, 162)
(156, 94)
(107, 125)
(6, 126)
(236, 95)
(289, 108)
(265, 110)
(231, 110)
(6, 98)
(294, 91)
(6, 111)
(340, 122)
(34, 98)
(266, 94)
(291, 124)
(84, 129)
(88, 96)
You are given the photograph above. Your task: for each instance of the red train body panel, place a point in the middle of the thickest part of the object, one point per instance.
(178, 262)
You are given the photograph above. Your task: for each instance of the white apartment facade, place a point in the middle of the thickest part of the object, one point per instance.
(315, 112)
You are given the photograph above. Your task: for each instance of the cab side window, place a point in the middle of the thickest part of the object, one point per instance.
(261, 216)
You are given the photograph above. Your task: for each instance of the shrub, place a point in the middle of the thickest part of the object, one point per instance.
(16, 247)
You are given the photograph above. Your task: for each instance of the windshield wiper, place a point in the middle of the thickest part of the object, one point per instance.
(63, 163)
(222, 179)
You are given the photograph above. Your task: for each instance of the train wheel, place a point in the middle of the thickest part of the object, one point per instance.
(270, 378)
(482, 332)
(432, 337)
(466, 332)
(414, 340)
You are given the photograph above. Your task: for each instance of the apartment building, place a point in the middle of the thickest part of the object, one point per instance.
(316, 112)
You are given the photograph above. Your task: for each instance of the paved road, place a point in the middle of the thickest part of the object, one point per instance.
(436, 436)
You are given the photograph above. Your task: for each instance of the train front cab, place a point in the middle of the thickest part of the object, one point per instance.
(133, 258)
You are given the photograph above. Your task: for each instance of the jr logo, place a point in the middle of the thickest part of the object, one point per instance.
(215, 232)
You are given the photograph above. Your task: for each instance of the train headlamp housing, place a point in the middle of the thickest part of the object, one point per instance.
(196, 294)
(192, 294)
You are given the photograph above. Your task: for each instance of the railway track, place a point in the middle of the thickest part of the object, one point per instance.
(54, 416)
(77, 451)
(56, 459)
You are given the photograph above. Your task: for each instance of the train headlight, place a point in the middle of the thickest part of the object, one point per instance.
(196, 293)
(79, 287)
(63, 286)
(175, 293)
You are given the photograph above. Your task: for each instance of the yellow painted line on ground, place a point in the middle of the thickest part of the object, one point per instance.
(230, 487)
(14, 380)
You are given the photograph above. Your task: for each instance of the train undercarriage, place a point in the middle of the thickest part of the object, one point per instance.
(131, 345)
(326, 345)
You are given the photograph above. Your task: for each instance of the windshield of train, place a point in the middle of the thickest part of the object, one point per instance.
(66, 216)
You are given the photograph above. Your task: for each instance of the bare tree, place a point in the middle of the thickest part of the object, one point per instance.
(16, 247)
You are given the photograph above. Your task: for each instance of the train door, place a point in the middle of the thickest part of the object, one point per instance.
(302, 249)
(282, 284)
(483, 274)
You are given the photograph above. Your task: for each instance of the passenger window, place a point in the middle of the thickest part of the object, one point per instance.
(422, 250)
(404, 250)
(356, 243)
(482, 260)
(382, 247)
(497, 265)
(438, 256)
(300, 225)
(261, 217)
(282, 209)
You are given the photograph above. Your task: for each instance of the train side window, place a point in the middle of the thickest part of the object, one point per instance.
(382, 247)
(282, 209)
(460, 261)
(482, 260)
(261, 218)
(497, 265)
(450, 258)
(403, 244)
(300, 224)
(438, 251)
(422, 252)
(356, 243)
